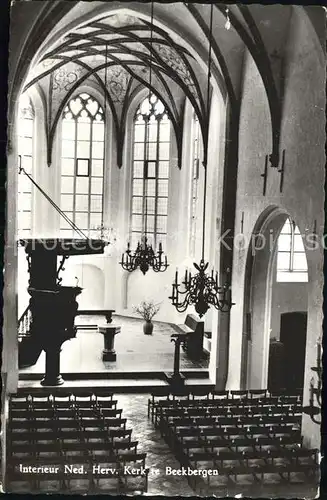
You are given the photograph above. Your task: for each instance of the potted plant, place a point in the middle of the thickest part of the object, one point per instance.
(147, 309)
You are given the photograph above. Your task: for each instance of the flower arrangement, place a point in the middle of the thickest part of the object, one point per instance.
(147, 309)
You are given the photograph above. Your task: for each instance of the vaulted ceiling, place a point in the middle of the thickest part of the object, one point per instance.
(120, 53)
(109, 44)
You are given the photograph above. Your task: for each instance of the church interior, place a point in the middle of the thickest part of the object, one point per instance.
(164, 249)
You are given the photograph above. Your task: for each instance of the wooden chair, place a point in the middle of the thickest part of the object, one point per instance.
(108, 412)
(200, 393)
(162, 393)
(203, 456)
(125, 446)
(219, 394)
(63, 400)
(257, 393)
(120, 433)
(237, 394)
(87, 396)
(103, 395)
(135, 482)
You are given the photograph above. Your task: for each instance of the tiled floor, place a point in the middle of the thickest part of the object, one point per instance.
(159, 455)
(135, 351)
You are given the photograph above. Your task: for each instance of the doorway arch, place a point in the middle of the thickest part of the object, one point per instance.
(258, 298)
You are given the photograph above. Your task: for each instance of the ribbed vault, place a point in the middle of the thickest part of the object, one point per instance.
(75, 51)
(116, 53)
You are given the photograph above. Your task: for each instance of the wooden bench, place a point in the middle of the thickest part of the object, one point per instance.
(107, 313)
(194, 328)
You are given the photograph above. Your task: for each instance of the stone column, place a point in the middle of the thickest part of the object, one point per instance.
(52, 367)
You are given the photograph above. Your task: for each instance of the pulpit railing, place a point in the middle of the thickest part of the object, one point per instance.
(24, 323)
(61, 268)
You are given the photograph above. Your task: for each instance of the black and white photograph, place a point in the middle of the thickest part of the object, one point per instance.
(164, 249)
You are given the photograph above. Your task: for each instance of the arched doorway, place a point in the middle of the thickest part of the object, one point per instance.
(275, 305)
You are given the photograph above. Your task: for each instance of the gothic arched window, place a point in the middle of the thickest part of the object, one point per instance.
(82, 165)
(150, 172)
(25, 155)
(291, 258)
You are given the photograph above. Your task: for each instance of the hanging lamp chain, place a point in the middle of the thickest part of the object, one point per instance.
(105, 113)
(151, 47)
(105, 82)
(202, 289)
(207, 132)
(146, 166)
(144, 257)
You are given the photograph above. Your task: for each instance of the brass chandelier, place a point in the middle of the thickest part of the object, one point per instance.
(143, 258)
(202, 289)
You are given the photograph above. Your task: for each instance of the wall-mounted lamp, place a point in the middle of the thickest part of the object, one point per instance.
(314, 407)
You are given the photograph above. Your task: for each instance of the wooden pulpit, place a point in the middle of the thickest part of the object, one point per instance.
(53, 307)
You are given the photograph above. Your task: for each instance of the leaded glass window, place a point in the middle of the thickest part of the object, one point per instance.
(150, 177)
(291, 258)
(82, 165)
(25, 157)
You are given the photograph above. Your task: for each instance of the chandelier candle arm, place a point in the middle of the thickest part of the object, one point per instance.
(143, 258)
(202, 291)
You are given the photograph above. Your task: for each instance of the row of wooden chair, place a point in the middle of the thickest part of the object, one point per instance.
(257, 457)
(241, 400)
(28, 401)
(245, 437)
(72, 430)
(221, 421)
(209, 440)
(165, 409)
(60, 447)
(201, 428)
(37, 435)
(67, 423)
(46, 394)
(259, 413)
(198, 392)
(69, 412)
(192, 440)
